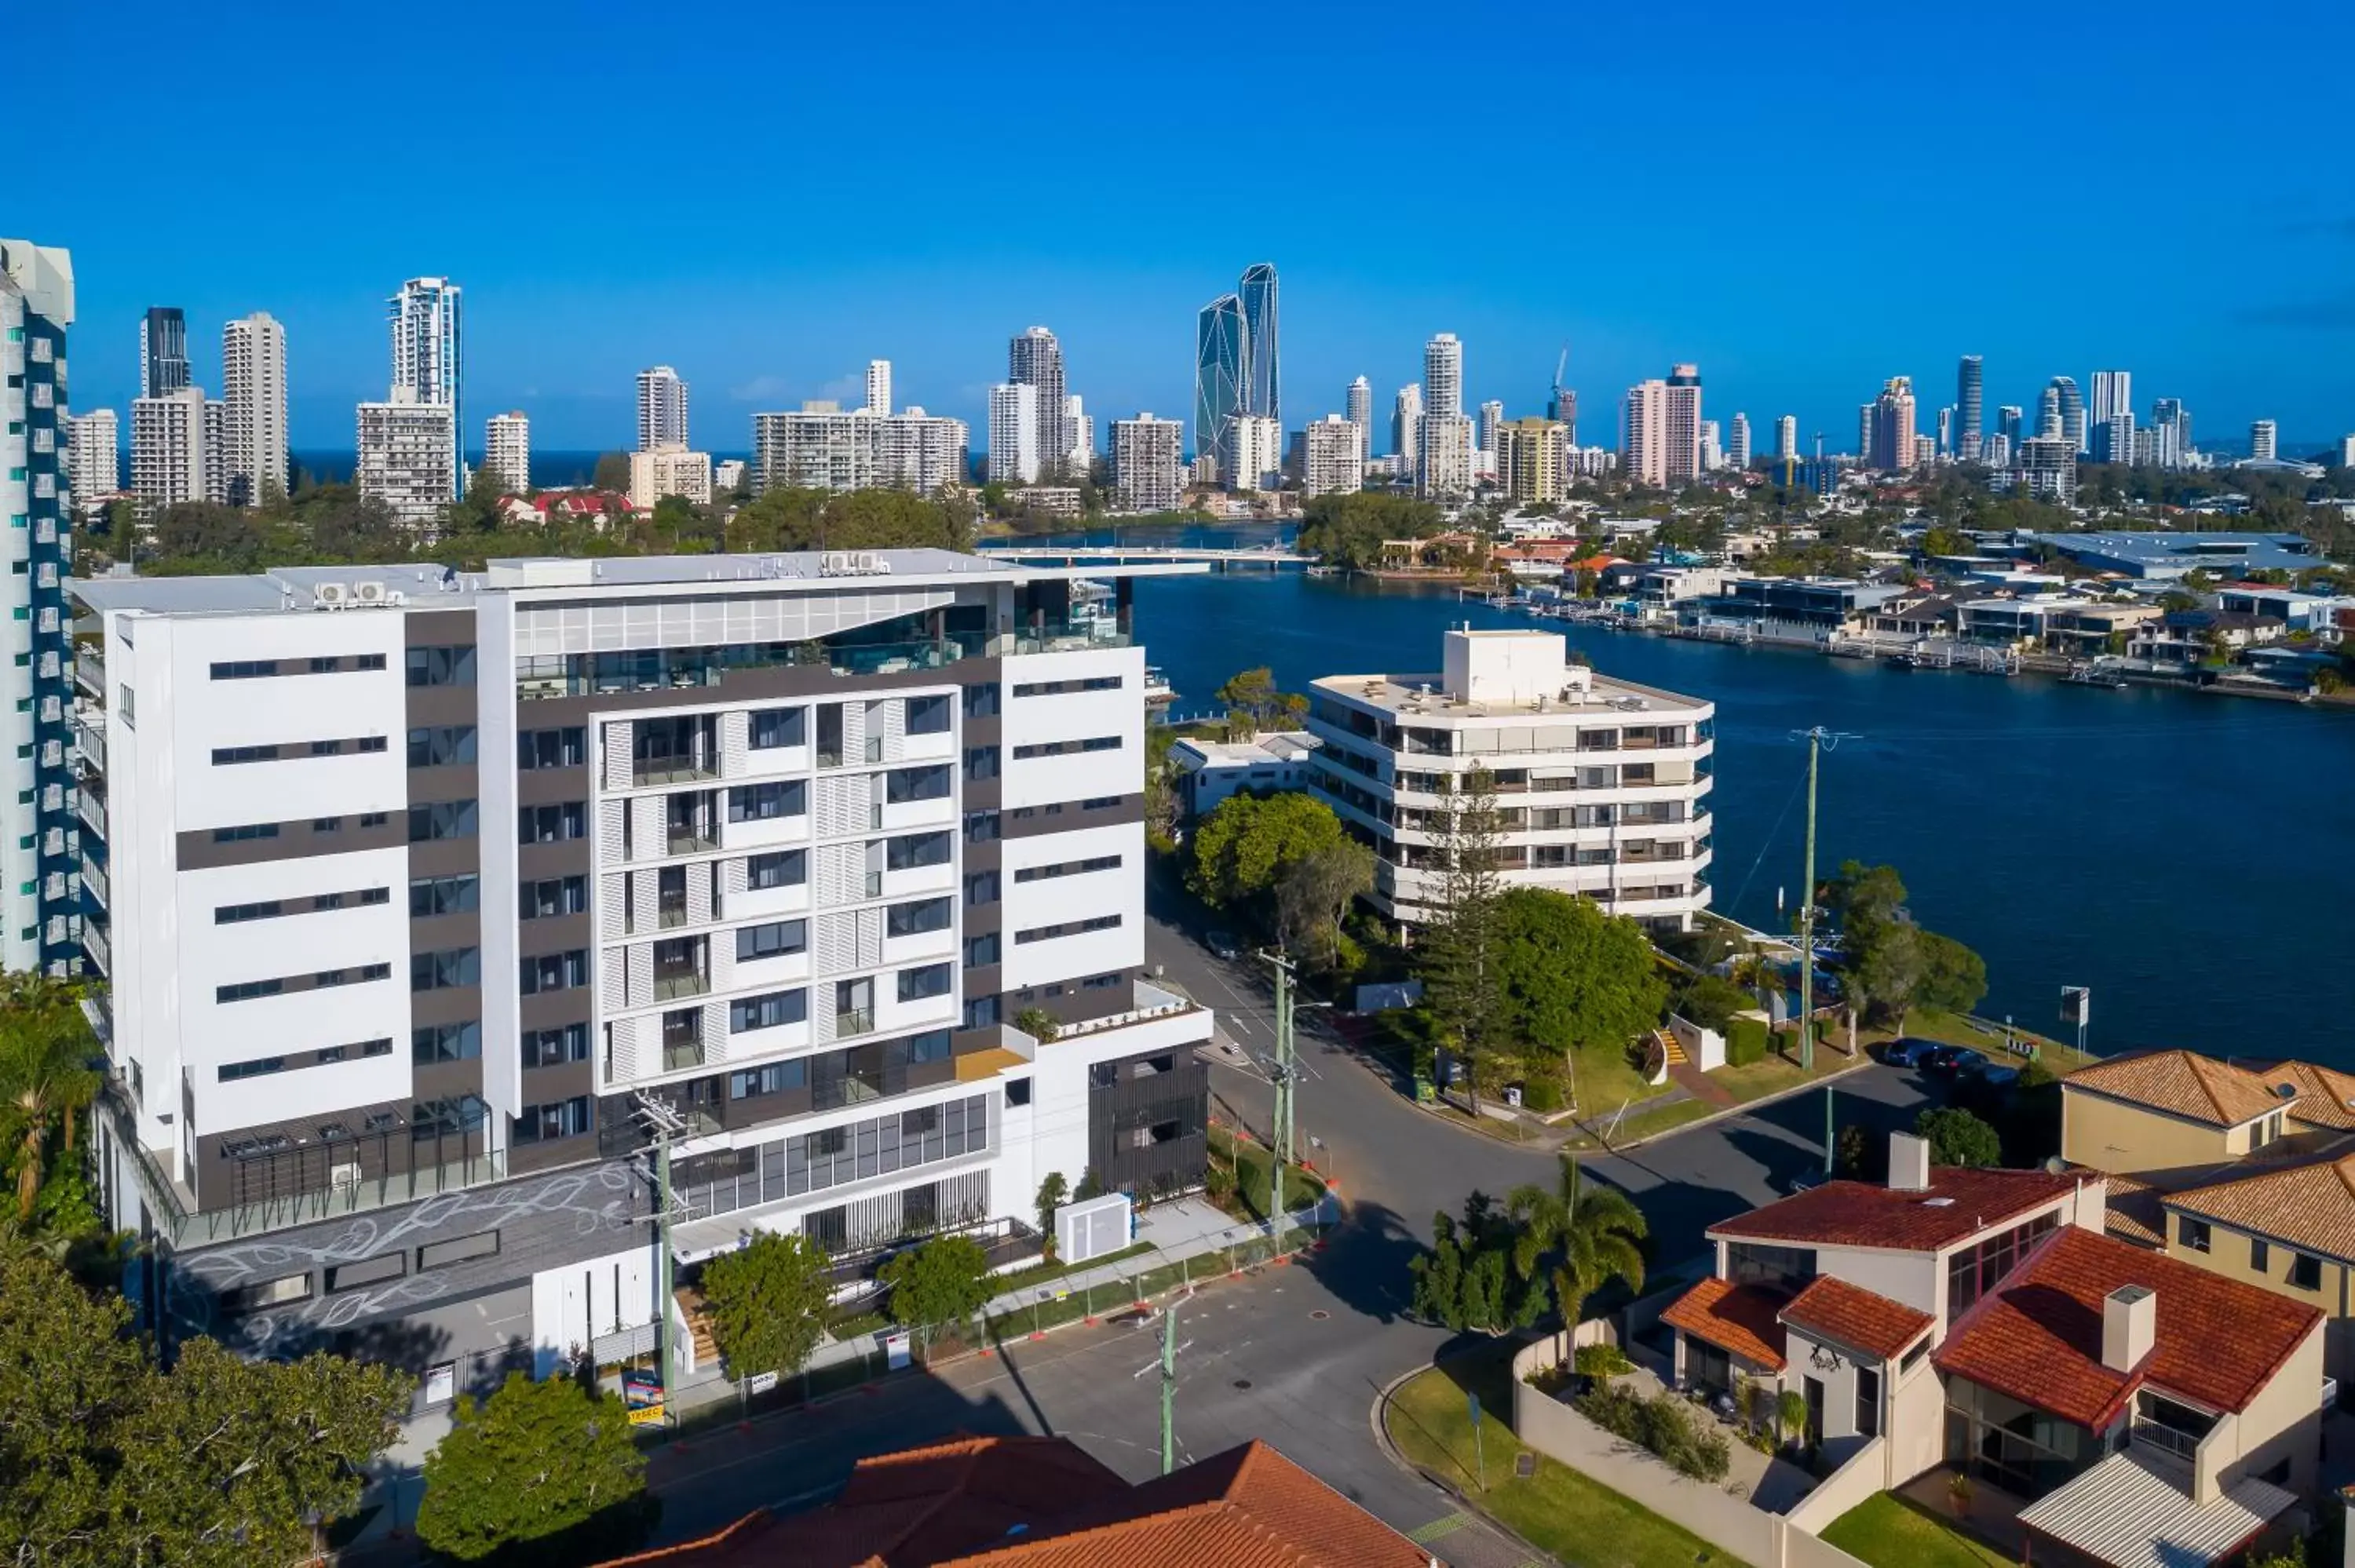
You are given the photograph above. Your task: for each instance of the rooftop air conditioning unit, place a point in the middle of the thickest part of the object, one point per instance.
(330, 596)
(368, 593)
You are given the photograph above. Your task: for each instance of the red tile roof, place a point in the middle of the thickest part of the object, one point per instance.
(1832, 1309)
(2182, 1083)
(1959, 1202)
(1737, 1317)
(2039, 1338)
(1040, 1502)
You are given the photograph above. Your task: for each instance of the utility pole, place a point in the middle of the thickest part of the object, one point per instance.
(663, 1120)
(1170, 1388)
(1819, 740)
(1281, 1073)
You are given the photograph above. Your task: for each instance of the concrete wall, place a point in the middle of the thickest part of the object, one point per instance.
(1851, 1484)
(1705, 1046)
(2284, 1421)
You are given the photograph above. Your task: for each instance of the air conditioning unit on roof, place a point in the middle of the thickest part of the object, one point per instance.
(368, 593)
(330, 596)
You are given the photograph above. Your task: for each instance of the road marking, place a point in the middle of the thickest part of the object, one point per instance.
(1447, 1525)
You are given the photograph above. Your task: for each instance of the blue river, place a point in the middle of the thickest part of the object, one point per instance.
(2180, 854)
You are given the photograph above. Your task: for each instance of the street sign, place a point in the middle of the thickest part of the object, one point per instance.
(2077, 1004)
(1479, 1446)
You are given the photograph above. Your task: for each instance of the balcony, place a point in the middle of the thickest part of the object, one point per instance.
(2184, 1445)
(93, 880)
(857, 1020)
(671, 984)
(93, 942)
(593, 674)
(689, 840)
(91, 806)
(89, 674)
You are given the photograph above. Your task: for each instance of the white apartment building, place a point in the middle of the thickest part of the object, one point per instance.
(1149, 465)
(252, 454)
(94, 455)
(40, 850)
(419, 884)
(506, 450)
(428, 356)
(1786, 437)
(922, 452)
(408, 459)
(1014, 433)
(1643, 434)
(217, 478)
(667, 470)
(2264, 441)
(879, 386)
(821, 448)
(1335, 451)
(1359, 405)
(730, 475)
(662, 409)
(1406, 428)
(167, 450)
(1081, 425)
(1737, 443)
(1602, 784)
(1443, 374)
(1443, 463)
(1492, 415)
(1257, 444)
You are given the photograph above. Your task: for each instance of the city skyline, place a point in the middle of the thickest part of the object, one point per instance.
(761, 311)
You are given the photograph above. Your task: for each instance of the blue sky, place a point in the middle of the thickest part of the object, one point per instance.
(1803, 199)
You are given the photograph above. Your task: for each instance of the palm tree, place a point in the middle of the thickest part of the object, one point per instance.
(1597, 1230)
(46, 1051)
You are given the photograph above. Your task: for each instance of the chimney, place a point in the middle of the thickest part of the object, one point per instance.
(2129, 1325)
(1909, 1163)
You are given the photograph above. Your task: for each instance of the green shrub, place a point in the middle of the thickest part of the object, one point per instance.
(1711, 1000)
(1745, 1042)
(1663, 1424)
(1601, 1360)
(2037, 1075)
(1542, 1094)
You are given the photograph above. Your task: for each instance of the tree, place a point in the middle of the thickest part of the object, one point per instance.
(1953, 978)
(1039, 1024)
(1886, 971)
(1314, 891)
(45, 1077)
(768, 1302)
(1054, 1192)
(612, 472)
(1958, 1137)
(1598, 1231)
(1463, 984)
(220, 1463)
(1711, 1001)
(1240, 848)
(1253, 695)
(539, 1473)
(1573, 977)
(1465, 1280)
(944, 1281)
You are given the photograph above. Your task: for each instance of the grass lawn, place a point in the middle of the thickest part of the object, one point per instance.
(1557, 1509)
(1890, 1532)
(1252, 1179)
(1929, 1024)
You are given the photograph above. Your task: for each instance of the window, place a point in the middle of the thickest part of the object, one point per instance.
(2260, 1256)
(1018, 1093)
(458, 1249)
(360, 976)
(554, 896)
(1101, 802)
(928, 716)
(368, 1271)
(980, 888)
(772, 1079)
(442, 746)
(228, 756)
(452, 666)
(539, 748)
(429, 896)
(981, 700)
(766, 802)
(327, 824)
(367, 661)
(244, 668)
(1068, 868)
(981, 951)
(445, 1043)
(555, 1047)
(369, 743)
(1100, 982)
(230, 1072)
(774, 728)
(230, 914)
(916, 850)
(2306, 1271)
(933, 1045)
(783, 868)
(902, 785)
(2192, 1234)
(248, 990)
(443, 970)
(1974, 1271)
(924, 983)
(442, 820)
(1868, 1402)
(980, 763)
(555, 972)
(1068, 929)
(557, 1118)
(771, 1010)
(280, 1292)
(430, 1119)
(981, 827)
(772, 940)
(1067, 748)
(552, 824)
(1057, 688)
(248, 831)
(912, 919)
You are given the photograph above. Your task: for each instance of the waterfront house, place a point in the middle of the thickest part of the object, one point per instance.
(1797, 609)
(2138, 1409)
(2295, 611)
(2190, 636)
(1917, 615)
(1208, 771)
(2170, 555)
(2089, 629)
(2011, 622)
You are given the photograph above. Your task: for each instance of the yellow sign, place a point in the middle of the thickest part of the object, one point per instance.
(646, 1416)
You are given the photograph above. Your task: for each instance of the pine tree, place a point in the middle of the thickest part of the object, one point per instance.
(1462, 982)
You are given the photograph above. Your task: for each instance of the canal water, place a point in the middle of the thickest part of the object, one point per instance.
(2190, 858)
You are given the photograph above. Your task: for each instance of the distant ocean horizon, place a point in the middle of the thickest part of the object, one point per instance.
(550, 469)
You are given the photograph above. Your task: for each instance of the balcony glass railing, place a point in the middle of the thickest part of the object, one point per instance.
(685, 982)
(855, 1021)
(680, 1054)
(672, 769)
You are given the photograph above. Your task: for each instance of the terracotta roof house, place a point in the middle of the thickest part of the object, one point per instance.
(2145, 1412)
(1041, 1502)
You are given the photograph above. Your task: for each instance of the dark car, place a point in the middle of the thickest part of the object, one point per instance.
(1225, 945)
(1983, 1068)
(1908, 1052)
(1945, 1060)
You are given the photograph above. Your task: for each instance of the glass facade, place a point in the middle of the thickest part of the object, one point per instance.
(1221, 345)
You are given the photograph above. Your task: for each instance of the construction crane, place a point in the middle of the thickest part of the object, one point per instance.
(1563, 410)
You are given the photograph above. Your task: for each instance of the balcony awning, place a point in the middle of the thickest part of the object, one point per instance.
(2134, 1510)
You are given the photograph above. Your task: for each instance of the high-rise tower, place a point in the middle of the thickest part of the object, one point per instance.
(253, 426)
(162, 351)
(1034, 358)
(428, 354)
(1263, 386)
(1969, 393)
(662, 409)
(1222, 364)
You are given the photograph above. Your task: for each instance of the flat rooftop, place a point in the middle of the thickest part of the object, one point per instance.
(292, 588)
(1425, 696)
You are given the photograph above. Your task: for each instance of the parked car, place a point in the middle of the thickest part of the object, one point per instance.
(1224, 945)
(1944, 1060)
(1986, 1069)
(1908, 1050)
